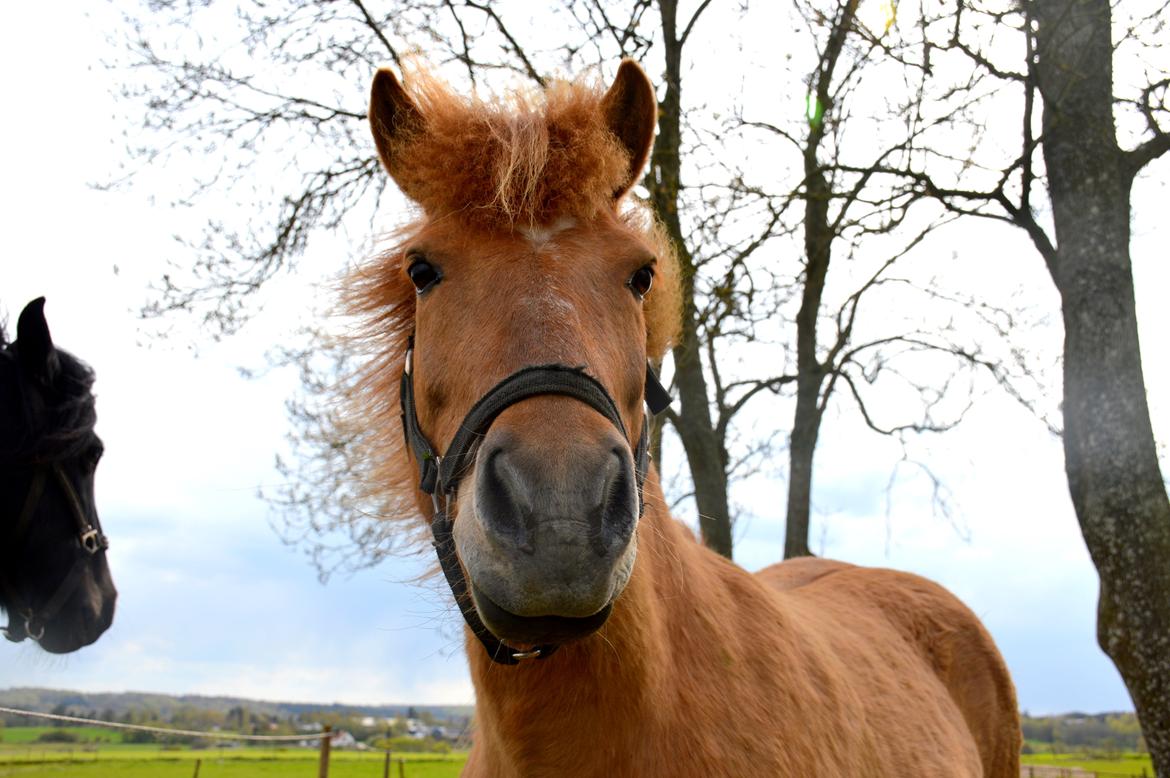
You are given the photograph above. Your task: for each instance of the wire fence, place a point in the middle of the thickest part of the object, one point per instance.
(216, 735)
(326, 737)
(1053, 771)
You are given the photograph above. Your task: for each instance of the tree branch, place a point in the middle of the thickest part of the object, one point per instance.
(694, 18)
(377, 30)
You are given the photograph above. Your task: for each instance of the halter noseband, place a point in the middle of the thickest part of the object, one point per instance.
(439, 476)
(90, 537)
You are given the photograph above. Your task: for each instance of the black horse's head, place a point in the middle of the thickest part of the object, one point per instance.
(55, 583)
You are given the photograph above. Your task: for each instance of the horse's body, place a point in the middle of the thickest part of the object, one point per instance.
(55, 583)
(808, 668)
(637, 651)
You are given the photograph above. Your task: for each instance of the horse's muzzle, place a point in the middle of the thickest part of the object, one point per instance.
(549, 543)
(521, 630)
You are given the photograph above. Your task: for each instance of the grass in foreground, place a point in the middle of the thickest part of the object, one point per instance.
(228, 768)
(1125, 764)
(176, 765)
(105, 756)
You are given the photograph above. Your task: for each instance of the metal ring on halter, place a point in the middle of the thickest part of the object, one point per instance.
(533, 654)
(35, 635)
(91, 541)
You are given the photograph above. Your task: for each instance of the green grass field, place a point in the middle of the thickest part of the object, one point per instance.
(10, 735)
(105, 756)
(285, 767)
(1126, 764)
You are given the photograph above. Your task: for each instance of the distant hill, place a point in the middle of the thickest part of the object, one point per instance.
(165, 705)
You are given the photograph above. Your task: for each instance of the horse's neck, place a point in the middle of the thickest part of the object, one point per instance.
(627, 672)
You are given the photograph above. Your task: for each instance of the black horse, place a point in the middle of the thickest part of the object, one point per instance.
(55, 582)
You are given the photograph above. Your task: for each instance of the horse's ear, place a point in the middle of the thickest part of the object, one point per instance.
(393, 116)
(631, 110)
(34, 344)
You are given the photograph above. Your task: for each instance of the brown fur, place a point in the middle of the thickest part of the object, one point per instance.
(810, 668)
(529, 160)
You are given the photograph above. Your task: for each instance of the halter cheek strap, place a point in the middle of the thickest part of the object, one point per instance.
(439, 476)
(90, 537)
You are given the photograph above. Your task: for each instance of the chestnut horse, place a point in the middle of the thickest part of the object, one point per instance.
(55, 581)
(509, 331)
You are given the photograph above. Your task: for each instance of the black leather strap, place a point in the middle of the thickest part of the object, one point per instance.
(90, 537)
(657, 398)
(439, 476)
(442, 528)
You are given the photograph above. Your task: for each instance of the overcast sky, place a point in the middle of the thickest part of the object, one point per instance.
(211, 601)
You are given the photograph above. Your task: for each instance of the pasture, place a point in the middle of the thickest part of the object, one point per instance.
(102, 754)
(1106, 767)
(27, 759)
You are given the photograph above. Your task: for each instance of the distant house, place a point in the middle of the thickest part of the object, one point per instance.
(343, 739)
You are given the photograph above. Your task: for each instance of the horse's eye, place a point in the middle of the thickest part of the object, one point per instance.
(641, 281)
(423, 274)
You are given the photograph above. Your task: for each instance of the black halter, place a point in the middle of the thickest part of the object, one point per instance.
(439, 476)
(90, 537)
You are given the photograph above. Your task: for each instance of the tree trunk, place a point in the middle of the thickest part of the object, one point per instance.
(818, 246)
(806, 420)
(1110, 457)
(698, 434)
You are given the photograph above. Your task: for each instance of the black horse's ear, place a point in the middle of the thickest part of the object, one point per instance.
(34, 344)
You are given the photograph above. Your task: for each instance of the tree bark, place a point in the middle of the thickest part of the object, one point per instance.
(1110, 457)
(699, 437)
(806, 420)
(818, 245)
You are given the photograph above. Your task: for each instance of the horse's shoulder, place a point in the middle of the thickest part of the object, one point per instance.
(923, 612)
(794, 573)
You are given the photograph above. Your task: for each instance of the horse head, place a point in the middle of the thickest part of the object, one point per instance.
(55, 582)
(523, 307)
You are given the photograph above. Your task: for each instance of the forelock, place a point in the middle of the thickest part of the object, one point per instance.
(531, 157)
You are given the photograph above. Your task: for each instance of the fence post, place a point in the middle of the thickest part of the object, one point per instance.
(326, 739)
(386, 766)
(401, 767)
(198, 762)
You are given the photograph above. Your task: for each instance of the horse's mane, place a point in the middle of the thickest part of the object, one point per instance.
(65, 429)
(527, 158)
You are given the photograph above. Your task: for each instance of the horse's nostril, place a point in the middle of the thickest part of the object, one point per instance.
(527, 502)
(501, 500)
(618, 508)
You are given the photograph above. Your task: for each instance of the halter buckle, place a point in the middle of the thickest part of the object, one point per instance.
(438, 506)
(522, 655)
(91, 540)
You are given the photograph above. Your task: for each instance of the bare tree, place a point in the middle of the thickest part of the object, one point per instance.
(705, 451)
(262, 89)
(1110, 457)
(859, 224)
(1068, 116)
(293, 77)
